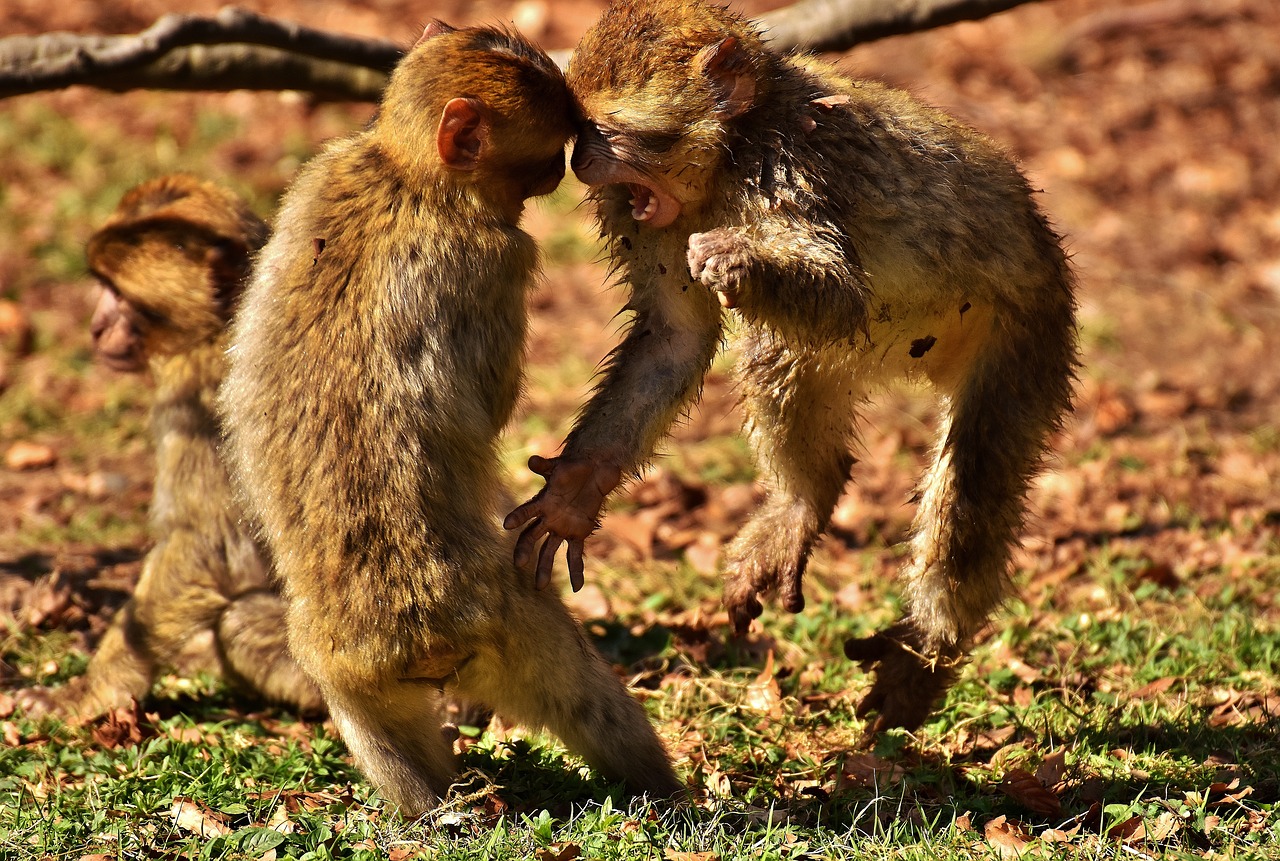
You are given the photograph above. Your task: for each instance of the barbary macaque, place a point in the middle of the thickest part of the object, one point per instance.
(374, 365)
(860, 237)
(172, 260)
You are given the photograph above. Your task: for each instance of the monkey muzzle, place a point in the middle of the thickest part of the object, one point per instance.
(596, 163)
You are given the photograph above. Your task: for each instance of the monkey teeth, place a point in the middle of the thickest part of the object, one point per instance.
(644, 203)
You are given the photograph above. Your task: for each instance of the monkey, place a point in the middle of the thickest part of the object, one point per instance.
(171, 260)
(375, 362)
(858, 237)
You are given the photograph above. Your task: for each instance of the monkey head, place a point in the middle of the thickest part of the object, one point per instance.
(171, 260)
(496, 105)
(660, 83)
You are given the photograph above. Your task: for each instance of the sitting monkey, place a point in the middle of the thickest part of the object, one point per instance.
(172, 260)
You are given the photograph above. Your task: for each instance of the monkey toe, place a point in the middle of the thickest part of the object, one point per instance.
(792, 591)
(743, 606)
(867, 651)
(907, 686)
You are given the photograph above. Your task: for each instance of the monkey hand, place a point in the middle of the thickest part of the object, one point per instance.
(567, 509)
(908, 683)
(719, 259)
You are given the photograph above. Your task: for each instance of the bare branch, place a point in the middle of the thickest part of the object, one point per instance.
(837, 25)
(234, 49)
(239, 49)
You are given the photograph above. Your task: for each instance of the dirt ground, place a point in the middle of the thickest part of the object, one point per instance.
(1152, 128)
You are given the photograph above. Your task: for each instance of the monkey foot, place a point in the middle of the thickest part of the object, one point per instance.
(907, 686)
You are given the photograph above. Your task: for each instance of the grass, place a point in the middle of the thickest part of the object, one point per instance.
(1155, 702)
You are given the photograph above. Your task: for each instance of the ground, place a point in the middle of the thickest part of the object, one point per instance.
(1151, 130)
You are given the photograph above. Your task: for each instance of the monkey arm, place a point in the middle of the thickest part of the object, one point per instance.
(800, 278)
(648, 379)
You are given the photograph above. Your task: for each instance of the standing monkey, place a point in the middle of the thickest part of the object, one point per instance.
(861, 237)
(172, 260)
(375, 362)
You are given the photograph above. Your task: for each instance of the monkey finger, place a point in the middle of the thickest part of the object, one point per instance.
(547, 559)
(543, 466)
(528, 542)
(573, 555)
(522, 514)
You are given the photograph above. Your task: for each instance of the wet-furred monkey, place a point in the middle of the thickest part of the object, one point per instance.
(375, 362)
(172, 260)
(859, 236)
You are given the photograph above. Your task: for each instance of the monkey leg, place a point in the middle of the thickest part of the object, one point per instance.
(121, 669)
(993, 437)
(393, 733)
(800, 415)
(167, 621)
(253, 642)
(541, 670)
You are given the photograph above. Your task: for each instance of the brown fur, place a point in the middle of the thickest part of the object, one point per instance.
(376, 362)
(860, 237)
(171, 259)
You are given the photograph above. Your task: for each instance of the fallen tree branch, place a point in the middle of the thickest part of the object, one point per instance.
(837, 25)
(235, 49)
(239, 49)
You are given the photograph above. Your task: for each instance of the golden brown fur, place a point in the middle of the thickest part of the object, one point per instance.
(172, 259)
(860, 237)
(376, 362)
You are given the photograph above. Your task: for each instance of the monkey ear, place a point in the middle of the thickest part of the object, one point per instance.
(435, 28)
(732, 78)
(462, 133)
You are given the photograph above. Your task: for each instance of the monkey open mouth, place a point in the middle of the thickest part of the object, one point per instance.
(651, 205)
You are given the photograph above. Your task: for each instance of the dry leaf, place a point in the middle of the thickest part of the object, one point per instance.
(1131, 830)
(867, 769)
(23, 456)
(703, 555)
(559, 852)
(195, 818)
(1052, 768)
(634, 530)
(763, 695)
(1024, 788)
(589, 602)
(404, 853)
(12, 738)
(964, 822)
(7, 705)
(718, 784)
(187, 735)
(1155, 688)
(120, 727)
(1009, 837)
(1166, 825)
(676, 855)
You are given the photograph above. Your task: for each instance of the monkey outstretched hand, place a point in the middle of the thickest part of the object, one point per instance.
(719, 259)
(566, 510)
